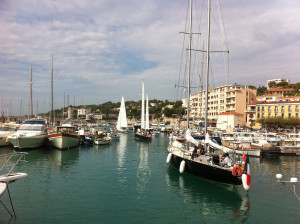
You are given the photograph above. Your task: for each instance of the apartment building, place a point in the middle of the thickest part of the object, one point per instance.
(227, 98)
(276, 81)
(284, 107)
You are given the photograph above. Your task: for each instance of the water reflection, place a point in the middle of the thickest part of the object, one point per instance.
(209, 198)
(143, 172)
(121, 150)
(62, 158)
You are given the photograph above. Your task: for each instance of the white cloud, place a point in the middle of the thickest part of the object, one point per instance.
(103, 49)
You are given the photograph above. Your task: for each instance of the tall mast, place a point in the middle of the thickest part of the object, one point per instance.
(52, 111)
(190, 59)
(143, 108)
(207, 65)
(30, 98)
(147, 113)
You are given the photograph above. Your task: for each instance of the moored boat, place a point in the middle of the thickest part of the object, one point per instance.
(31, 134)
(5, 131)
(265, 147)
(65, 137)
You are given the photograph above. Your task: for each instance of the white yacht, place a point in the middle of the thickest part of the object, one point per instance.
(31, 134)
(5, 131)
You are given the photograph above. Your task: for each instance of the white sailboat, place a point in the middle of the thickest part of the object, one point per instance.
(122, 119)
(144, 132)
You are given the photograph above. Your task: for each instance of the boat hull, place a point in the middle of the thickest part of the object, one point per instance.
(12, 177)
(64, 141)
(27, 142)
(142, 137)
(253, 153)
(206, 171)
(2, 188)
(4, 141)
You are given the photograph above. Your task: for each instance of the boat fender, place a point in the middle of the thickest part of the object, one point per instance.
(236, 171)
(169, 158)
(182, 166)
(244, 181)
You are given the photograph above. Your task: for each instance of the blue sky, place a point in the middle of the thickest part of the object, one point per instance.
(104, 49)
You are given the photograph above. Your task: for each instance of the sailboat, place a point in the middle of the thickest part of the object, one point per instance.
(144, 132)
(122, 120)
(202, 158)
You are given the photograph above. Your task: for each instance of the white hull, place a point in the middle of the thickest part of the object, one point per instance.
(24, 142)
(64, 142)
(254, 152)
(12, 177)
(2, 188)
(4, 140)
(103, 142)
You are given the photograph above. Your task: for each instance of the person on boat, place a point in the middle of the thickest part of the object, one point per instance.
(195, 152)
(226, 160)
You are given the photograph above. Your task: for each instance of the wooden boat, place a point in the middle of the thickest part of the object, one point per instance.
(102, 141)
(65, 137)
(244, 148)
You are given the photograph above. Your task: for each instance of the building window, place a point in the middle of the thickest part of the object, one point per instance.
(297, 108)
(282, 115)
(269, 109)
(290, 108)
(276, 108)
(282, 108)
(290, 115)
(297, 115)
(258, 109)
(262, 115)
(258, 116)
(269, 115)
(263, 109)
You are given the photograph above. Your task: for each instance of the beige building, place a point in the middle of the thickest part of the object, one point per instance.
(227, 98)
(229, 120)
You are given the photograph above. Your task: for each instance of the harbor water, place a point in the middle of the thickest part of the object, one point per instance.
(130, 182)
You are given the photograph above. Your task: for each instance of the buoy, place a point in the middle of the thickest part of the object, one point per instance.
(169, 157)
(236, 170)
(244, 181)
(182, 166)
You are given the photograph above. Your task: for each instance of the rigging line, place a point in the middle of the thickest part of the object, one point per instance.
(182, 50)
(225, 42)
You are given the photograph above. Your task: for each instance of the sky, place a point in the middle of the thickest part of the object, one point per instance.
(103, 49)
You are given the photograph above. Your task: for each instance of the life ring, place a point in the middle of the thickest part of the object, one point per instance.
(236, 171)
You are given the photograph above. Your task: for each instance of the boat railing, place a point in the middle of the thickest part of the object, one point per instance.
(293, 181)
(9, 161)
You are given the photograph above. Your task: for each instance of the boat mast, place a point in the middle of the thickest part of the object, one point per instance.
(30, 99)
(51, 116)
(143, 108)
(190, 59)
(207, 65)
(147, 113)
